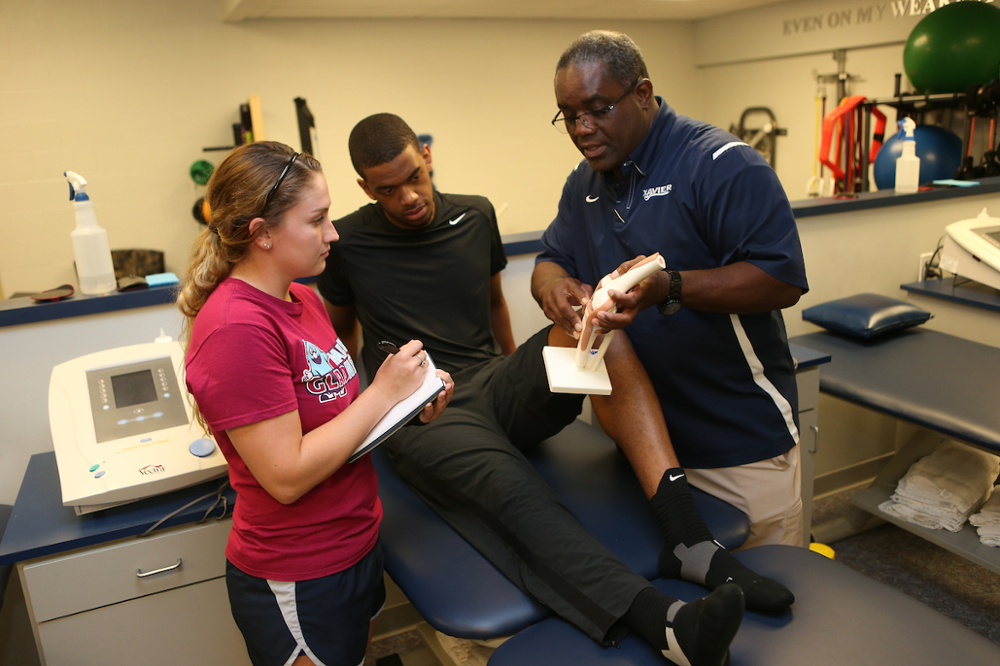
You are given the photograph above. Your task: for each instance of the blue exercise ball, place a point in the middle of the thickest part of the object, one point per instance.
(939, 150)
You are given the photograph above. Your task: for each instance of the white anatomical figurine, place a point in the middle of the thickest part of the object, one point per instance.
(601, 302)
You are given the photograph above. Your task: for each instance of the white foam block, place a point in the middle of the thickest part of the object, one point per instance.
(565, 377)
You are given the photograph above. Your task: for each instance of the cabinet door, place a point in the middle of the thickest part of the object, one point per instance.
(189, 625)
(807, 381)
(808, 443)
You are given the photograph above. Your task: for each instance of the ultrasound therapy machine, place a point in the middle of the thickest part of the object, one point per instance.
(972, 249)
(122, 427)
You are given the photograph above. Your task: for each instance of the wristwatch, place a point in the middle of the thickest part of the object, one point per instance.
(673, 302)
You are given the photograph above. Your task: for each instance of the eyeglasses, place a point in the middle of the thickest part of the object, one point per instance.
(567, 124)
(284, 172)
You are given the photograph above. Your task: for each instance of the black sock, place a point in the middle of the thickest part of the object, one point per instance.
(698, 633)
(692, 554)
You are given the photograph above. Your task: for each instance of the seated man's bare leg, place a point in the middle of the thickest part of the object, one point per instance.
(631, 414)
(632, 417)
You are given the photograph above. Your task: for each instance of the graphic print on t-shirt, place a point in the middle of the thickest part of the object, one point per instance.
(328, 372)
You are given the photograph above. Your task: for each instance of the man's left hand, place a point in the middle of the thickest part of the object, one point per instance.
(647, 293)
(433, 410)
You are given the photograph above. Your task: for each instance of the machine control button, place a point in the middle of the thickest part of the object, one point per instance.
(202, 448)
(99, 474)
(93, 468)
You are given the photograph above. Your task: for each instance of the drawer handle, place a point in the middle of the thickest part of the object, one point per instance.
(139, 574)
(815, 430)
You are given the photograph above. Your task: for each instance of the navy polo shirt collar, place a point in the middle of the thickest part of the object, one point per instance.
(644, 156)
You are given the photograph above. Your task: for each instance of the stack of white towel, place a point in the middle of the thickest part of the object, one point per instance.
(942, 489)
(988, 520)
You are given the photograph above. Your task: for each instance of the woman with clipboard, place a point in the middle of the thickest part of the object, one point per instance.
(279, 392)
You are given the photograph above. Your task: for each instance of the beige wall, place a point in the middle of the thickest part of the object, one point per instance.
(127, 94)
(807, 26)
(128, 97)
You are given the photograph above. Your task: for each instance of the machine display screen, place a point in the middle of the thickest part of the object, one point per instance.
(133, 399)
(993, 235)
(134, 388)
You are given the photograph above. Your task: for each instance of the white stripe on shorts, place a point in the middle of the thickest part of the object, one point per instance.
(761, 380)
(284, 594)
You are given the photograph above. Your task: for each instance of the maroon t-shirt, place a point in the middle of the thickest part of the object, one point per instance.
(253, 357)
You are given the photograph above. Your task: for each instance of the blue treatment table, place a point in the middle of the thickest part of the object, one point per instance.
(937, 386)
(933, 380)
(461, 594)
(840, 618)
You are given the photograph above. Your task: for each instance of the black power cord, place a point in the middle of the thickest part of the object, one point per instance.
(932, 269)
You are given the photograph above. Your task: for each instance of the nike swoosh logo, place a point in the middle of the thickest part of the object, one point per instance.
(591, 199)
(674, 477)
(456, 220)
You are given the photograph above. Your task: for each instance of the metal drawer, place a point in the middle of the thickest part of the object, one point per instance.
(90, 578)
(192, 625)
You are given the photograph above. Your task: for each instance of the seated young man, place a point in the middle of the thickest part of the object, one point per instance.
(418, 264)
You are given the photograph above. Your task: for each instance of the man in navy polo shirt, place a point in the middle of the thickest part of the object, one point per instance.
(708, 330)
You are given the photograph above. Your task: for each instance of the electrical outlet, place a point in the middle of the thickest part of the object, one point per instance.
(922, 268)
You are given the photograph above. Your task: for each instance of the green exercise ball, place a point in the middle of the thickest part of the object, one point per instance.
(954, 48)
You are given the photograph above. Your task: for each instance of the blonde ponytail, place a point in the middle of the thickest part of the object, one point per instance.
(206, 269)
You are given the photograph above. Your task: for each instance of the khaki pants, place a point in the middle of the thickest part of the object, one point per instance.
(769, 492)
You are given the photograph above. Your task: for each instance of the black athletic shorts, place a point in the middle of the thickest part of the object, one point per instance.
(326, 618)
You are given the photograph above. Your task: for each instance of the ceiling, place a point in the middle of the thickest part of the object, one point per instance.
(680, 10)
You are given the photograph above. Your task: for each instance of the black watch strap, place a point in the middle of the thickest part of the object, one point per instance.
(673, 302)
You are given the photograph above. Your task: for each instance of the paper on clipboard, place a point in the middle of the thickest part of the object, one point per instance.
(402, 411)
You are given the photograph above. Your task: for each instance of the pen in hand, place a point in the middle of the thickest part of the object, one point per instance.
(393, 348)
(388, 347)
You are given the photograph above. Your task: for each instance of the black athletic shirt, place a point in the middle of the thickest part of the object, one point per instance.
(430, 284)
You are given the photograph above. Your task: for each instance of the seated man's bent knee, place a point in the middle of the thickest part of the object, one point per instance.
(559, 338)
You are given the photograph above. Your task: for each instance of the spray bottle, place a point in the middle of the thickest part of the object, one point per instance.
(90, 242)
(908, 164)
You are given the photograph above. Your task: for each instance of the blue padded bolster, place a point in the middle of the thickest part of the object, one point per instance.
(865, 315)
(839, 617)
(460, 593)
(932, 379)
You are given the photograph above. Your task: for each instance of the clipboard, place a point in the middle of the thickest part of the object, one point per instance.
(401, 413)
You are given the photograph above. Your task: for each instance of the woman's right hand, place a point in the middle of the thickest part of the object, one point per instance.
(401, 373)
